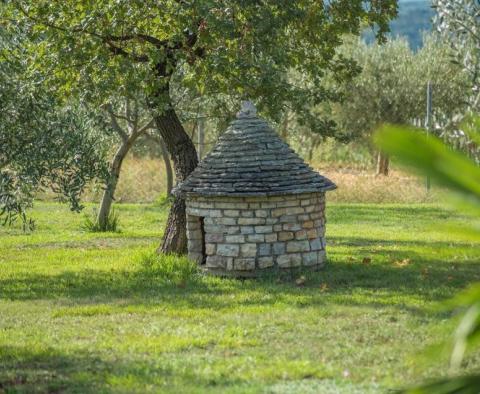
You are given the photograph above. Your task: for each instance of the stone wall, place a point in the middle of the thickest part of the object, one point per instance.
(248, 233)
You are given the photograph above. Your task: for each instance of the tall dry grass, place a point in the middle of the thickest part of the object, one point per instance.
(143, 181)
(363, 186)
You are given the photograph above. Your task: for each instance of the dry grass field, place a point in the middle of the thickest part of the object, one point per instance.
(144, 181)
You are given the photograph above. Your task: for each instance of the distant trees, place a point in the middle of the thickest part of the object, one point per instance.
(459, 23)
(243, 49)
(391, 88)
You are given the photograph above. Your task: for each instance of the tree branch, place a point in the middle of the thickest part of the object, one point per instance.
(120, 51)
(145, 127)
(115, 125)
(105, 39)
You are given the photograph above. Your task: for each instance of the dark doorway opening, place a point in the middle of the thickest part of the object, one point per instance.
(202, 232)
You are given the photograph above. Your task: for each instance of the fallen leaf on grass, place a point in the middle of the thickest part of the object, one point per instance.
(323, 287)
(402, 263)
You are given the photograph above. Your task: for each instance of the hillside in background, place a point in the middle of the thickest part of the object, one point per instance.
(413, 19)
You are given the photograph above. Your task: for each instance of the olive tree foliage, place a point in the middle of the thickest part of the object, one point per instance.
(392, 85)
(240, 48)
(43, 145)
(459, 22)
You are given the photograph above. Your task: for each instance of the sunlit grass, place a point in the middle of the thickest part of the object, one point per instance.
(83, 312)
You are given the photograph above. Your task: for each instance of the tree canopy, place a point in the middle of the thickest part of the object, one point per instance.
(242, 48)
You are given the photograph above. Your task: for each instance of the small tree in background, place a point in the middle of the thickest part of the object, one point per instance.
(129, 123)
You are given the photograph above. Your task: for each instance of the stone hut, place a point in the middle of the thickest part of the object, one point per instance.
(253, 203)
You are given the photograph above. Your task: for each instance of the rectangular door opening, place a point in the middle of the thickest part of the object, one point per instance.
(202, 232)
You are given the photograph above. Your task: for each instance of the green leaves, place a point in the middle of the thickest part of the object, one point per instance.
(455, 171)
(459, 22)
(391, 88)
(43, 143)
(457, 385)
(235, 48)
(467, 332)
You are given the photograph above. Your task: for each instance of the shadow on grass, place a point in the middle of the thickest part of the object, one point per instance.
(380, 282)
(48, 370)
(369, 242)
(339, 283)
(23, 370)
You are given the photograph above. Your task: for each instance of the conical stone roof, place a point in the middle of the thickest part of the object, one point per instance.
(250, 159)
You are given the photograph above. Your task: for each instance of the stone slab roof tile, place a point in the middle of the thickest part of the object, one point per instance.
(250, 159)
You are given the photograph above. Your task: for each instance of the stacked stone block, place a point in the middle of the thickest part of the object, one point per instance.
(242, 234)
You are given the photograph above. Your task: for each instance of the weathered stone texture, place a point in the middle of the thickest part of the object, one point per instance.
(249, 233)
(298, 246)
(244, 264)
(248, 250)
(231, 250)
(215, 262)
(265, 262)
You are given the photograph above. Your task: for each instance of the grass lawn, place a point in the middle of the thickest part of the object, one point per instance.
(82, 312)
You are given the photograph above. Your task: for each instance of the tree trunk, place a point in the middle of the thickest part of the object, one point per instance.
(184, 157)
(108, 194)
(383, 162)
(168, 165)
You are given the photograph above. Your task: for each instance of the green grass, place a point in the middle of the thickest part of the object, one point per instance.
(93, 312)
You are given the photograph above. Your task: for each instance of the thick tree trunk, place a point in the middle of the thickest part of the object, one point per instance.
(383, 163)
(184, 157)
(108, 194)
(168, 165)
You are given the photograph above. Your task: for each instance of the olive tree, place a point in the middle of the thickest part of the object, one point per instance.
(459, 22)
(243, 48)
(391, 88)
(44, 144)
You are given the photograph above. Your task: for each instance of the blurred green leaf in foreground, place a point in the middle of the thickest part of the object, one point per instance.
(453, 170)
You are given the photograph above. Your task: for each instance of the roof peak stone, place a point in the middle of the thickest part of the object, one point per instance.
(248, 110)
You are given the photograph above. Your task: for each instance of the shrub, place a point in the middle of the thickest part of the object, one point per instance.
(92, 225)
